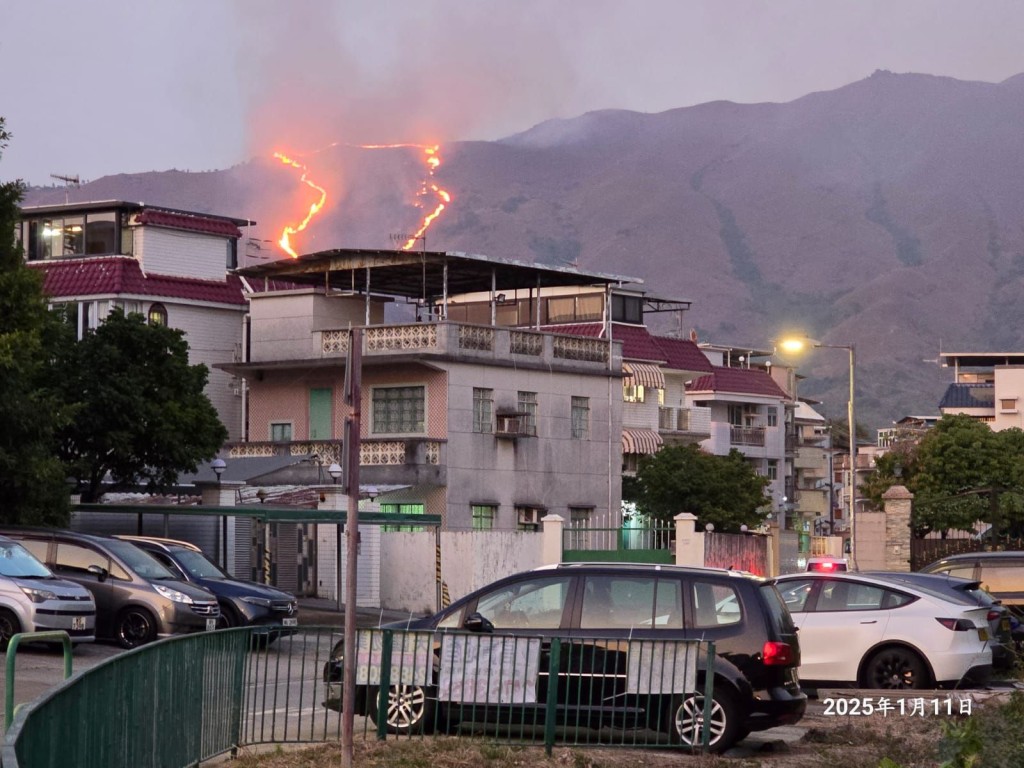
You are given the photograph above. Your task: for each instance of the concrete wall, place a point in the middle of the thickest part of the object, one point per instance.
(468, 561)
(870, 547)
(1009, 386)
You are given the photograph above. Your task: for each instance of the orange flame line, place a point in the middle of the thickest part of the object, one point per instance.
(433, 160)
(314, 208)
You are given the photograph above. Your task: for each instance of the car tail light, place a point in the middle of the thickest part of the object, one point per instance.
(957, 625)
(992, 615)
(776, 654)
(824, 566)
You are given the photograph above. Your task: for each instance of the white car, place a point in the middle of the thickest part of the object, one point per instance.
(874, 633)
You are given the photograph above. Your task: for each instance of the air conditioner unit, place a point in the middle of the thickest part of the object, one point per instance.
(530, 515)
(511, 425)
(236, 391)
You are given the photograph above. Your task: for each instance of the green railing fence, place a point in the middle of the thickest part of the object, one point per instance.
(179, 701)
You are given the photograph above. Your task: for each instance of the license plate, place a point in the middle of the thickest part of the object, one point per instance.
(982, 633)
(1004, 624)
(78, 622)
(211, 624)
(289, 622)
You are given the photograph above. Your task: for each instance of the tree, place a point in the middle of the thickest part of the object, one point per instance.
(32, 485)
(139, 412)
(965, 472)
(721, 490)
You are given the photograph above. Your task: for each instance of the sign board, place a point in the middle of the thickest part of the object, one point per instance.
(661, 667)
(483, 669)
(410, 658)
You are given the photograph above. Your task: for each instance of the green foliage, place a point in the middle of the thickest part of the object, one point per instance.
(139, 412)
(989, 737)
(32, 486)
(722, 490)
(960, 472)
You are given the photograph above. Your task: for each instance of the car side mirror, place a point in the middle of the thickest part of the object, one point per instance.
(476, 622)
(100, 573)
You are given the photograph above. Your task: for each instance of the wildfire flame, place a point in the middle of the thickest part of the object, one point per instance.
(432, 158)
(314, 209)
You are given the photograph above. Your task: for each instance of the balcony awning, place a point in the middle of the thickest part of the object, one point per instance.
(644, 375)
(636, 440)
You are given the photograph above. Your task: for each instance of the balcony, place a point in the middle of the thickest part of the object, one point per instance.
(474, 342)
(746, 436)
(397, 461)
(684, 422)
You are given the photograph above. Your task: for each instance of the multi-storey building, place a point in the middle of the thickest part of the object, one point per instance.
(169, 265)
(988, 386)
(464, 413)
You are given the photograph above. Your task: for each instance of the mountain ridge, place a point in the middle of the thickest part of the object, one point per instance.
(885, 214)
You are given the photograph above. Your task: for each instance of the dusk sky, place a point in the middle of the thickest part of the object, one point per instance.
(110, 86)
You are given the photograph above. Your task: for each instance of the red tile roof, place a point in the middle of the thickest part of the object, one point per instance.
(120, 275)
(639, 344)
(737, 381)
(189, 221)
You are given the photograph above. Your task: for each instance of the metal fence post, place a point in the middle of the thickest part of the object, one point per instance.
(551, 703)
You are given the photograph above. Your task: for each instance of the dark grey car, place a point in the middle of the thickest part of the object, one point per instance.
(137, 599)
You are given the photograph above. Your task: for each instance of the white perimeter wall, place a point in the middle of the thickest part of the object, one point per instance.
(469, 560)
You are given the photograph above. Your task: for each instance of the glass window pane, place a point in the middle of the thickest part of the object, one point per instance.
(74, 236)
(532, 604)
(399, 410)
(715, 605)
(101, 233)
(617, 602)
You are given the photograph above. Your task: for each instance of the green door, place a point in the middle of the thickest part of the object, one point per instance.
(320, 414)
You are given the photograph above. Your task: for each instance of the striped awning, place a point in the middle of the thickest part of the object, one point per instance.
(644, 375)
(636, 440)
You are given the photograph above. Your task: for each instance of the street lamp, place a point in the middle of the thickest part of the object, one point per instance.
(218, 466)
(799, 344)
(335, 471)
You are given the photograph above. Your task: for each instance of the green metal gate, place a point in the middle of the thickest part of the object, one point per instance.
(650, 544)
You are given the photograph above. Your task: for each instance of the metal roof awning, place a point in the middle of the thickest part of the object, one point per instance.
(635, 440)
(644, 375)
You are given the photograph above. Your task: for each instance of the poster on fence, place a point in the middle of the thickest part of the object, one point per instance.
(410, 657)
(661, 667)
(477, 669)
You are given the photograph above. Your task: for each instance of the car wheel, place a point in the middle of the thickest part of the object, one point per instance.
(228, 617)
(9, 627)
(409, 709)
(135, 627)
(686, 720)
(895, 668)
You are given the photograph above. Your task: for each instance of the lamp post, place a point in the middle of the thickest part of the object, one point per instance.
(218, 466)
(798, 345)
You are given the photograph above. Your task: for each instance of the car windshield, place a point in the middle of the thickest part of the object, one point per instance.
(141, 562)
(17, 562)
(197, 565)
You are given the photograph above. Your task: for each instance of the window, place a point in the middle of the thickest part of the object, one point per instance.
(399, 410)
(281, 431)
(715, 605)
(157, 314)
(483, 408)
(483, 516)
(1008, 404)
(742, 415)
(402, 509)
(627, 309)
(851, 596)
(632, 393)
(619, 602)
(773, 417)
(528, 517)
(536, 603)
(580, 418)
(773, 469)
(528, 405)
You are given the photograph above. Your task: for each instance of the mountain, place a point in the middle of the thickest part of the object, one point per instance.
(887, 214)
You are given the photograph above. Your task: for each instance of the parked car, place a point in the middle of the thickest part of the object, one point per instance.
(242, 603)
(872, 632)
(32, 599)
(827, 564)
(137, 599)
(1000, 619)
(1000, 573)
(600, 607)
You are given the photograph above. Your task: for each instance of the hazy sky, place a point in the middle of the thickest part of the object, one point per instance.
(108, 86)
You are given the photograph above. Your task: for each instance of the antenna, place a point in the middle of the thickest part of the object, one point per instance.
(69, 181)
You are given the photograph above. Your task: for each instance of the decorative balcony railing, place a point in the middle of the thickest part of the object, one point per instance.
(372, 453)
(694, 420)
(746, 436)
(475, 341)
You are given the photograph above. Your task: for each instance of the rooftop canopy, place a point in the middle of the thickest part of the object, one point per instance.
(425, 275)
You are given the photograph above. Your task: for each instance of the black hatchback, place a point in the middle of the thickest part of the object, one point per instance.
(601, 612)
